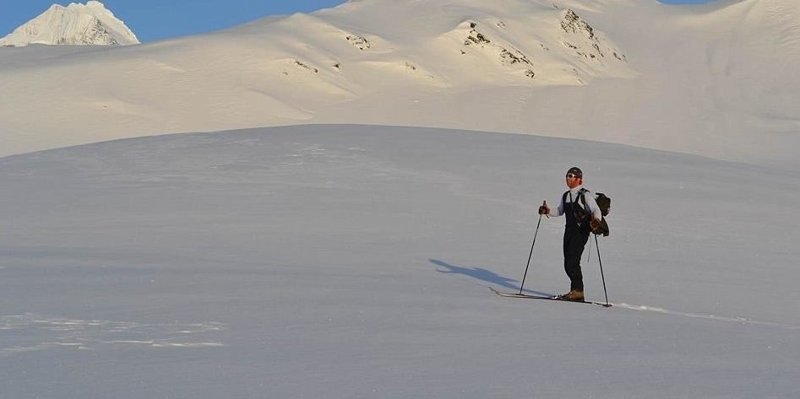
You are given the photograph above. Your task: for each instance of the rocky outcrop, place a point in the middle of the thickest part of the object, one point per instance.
(506, 55)
(358, 42)
(581, 38)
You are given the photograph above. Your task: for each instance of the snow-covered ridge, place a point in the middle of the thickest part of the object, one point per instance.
(75, 24)
(717, 80)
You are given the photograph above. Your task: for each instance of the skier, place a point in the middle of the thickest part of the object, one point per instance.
(582, 217)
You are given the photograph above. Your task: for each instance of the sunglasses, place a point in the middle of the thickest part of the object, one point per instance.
(572, 176)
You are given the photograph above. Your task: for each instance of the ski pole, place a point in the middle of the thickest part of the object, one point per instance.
(530, 255)
(605, 291)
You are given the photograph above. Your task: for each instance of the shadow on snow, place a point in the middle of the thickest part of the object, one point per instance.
(482, 274)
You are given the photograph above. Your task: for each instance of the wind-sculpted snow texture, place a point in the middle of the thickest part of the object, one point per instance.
(353, 262)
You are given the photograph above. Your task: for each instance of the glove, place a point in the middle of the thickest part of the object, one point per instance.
(544, 210)
(594, 225)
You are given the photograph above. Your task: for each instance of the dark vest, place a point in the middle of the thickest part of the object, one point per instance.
(576, 216)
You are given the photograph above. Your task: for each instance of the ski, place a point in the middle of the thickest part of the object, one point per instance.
(549, 298)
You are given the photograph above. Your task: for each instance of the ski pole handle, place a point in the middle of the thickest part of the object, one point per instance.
(544, 210)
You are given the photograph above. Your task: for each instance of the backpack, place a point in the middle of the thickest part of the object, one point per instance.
(603, 202)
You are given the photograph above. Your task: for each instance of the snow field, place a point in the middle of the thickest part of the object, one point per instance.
(353, 261)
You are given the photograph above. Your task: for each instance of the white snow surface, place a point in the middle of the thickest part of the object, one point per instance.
(353, 261)
(76, 24)
(719, 80)
(346, 257)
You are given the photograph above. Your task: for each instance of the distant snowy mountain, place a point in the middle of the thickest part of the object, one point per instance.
(75, 24)
(718, 80)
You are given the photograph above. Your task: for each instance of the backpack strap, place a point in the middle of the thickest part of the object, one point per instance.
(582, 196)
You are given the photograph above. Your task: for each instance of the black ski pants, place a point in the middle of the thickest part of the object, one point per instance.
(574, 241)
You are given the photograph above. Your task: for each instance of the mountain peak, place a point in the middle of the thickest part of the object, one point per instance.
(76, 24)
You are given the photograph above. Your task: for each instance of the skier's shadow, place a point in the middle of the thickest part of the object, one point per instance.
(482, 274)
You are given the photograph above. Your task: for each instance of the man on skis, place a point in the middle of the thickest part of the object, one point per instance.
(582, 217)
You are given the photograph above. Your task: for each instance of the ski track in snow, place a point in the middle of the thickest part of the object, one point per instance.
(739, 320)
(44, 332)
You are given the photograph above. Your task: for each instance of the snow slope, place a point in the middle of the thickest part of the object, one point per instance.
(718, 80)
(75, 24)
(353, 261)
